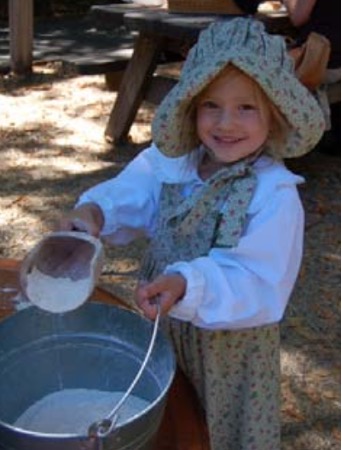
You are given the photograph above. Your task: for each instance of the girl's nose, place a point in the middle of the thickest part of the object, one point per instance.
(226, 119)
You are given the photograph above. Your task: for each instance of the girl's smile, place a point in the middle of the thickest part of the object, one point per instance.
(231, 121)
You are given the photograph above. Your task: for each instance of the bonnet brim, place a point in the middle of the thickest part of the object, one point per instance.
(244, 43)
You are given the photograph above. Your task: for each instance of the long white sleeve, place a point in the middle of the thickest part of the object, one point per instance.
(128, 201)
(249, 285)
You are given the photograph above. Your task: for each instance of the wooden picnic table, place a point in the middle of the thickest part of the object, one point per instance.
(158, 31)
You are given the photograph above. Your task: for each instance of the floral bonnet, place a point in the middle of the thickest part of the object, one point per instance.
(244, 43)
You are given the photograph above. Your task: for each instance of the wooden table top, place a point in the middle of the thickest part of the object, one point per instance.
(160, 21)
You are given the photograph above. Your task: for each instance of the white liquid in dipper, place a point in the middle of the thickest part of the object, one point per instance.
(74, 410)
(56, 295)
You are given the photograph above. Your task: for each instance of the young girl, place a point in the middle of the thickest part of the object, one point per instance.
(224, 219)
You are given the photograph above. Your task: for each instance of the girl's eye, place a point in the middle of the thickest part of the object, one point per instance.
(247, 107)
(208, 104)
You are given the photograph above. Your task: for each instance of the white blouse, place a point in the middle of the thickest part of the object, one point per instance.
(237, 288)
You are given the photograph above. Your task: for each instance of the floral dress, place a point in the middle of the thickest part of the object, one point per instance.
(235, 373)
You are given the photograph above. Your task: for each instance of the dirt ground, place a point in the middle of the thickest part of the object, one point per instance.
(52, 148)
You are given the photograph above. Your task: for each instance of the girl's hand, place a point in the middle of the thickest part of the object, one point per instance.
(166, 289)
(87, 218)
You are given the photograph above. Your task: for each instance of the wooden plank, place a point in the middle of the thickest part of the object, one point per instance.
(176, 26)
(93, 67)
(111, 16)
(21, 35)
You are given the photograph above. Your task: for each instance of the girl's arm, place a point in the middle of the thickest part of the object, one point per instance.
(125, 205)
(249, 285)
(299, 10)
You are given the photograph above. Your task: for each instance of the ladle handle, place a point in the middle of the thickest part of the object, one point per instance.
(105, 426)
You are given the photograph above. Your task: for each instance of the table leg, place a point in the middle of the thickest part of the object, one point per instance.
(135, 81)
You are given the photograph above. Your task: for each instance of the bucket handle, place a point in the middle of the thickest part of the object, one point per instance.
(102, 428)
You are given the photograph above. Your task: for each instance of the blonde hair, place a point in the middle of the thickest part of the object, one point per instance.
(279, 126)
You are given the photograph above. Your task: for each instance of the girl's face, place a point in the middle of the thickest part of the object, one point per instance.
(230, 119)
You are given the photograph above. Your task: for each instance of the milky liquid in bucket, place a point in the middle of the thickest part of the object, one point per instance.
(74, 410)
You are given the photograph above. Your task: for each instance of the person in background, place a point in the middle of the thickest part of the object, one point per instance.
(319, 16)
(322, 17)
(224, 220)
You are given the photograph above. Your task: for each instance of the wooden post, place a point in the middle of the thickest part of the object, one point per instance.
(21, 35)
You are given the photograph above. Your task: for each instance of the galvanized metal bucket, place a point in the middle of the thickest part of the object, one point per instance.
(97, 346)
